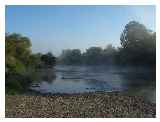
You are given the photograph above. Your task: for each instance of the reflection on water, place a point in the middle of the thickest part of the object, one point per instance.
(78, 79)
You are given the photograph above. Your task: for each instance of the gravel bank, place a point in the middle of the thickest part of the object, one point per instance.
(99, 104)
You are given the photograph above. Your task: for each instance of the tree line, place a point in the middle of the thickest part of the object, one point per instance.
(138, 47)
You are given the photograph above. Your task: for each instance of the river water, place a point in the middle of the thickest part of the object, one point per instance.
(79, 79)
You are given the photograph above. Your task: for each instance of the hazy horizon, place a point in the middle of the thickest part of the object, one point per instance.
(54, 28)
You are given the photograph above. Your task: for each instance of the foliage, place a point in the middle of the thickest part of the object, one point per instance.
(138, 47)
(71, 57)
(92, 56)
(21, 63)
(48, 59)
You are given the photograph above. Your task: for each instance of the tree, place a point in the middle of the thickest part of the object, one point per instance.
(138, 44)
(21, 63)
(93, 55)
(71, 57)
(35, 60)
(109, 54)
(48, 59)
(17, 52)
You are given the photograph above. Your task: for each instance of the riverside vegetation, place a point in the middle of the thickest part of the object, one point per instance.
(138, 48)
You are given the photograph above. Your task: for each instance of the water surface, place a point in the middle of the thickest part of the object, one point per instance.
(79, 79)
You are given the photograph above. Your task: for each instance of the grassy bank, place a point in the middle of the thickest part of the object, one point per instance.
(97, 104)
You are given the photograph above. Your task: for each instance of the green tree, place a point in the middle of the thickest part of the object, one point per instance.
(138, 44)
(93, 56)
(48, 59)
(71, 57)
(17, 52)
(109, 54)
(21, 63)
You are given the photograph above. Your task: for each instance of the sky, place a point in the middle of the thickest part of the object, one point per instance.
(54, 28)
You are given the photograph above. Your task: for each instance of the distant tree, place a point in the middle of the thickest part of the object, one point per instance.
(71, 57)
(48, 59)
(109, 54)
(75, 56)
(93, 55)
(63, 59)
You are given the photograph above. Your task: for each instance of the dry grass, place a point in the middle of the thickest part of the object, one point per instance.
(78, 105)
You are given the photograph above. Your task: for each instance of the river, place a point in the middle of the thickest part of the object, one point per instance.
(79, 79)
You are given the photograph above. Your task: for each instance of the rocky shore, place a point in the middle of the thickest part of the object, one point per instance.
(86, 105)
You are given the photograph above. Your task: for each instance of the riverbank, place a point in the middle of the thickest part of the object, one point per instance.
(98, 104)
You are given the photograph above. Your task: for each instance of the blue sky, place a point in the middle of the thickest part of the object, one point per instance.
(53, 28)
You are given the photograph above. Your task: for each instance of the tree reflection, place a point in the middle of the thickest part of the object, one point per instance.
(47, 75)
(140, 79)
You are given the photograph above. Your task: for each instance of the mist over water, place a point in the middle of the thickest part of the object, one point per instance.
(80, 79)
